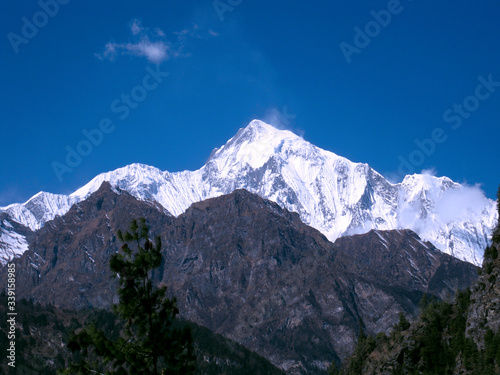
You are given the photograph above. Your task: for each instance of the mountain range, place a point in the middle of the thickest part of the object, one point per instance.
(246, 268)
(330, 193)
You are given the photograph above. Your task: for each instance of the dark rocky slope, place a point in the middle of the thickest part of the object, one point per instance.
(484, 313)
(67, 261)
(43, 333)
(248, 269)
(459, 338)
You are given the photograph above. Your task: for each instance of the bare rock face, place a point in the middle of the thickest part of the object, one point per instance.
(248, 269)
(67, 263)
(462, 336)
(400, 257)
(484, 312)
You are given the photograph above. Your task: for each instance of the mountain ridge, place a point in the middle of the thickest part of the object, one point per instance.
(329, 192)
(244, 267)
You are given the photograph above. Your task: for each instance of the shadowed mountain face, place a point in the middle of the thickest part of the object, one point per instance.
(246, 268)
(67, 263)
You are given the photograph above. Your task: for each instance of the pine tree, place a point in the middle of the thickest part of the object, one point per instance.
(149, 342)
(403, 323)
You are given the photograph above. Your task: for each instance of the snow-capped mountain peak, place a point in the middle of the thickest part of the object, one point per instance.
(139, 178)
(329, 192)
(253, 145)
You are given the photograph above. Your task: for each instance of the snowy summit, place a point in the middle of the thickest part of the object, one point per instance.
(329, 192)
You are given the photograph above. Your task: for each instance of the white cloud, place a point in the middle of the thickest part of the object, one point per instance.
(152, 45)
(465, 202)
(135, 27)
(156, 52)
(429, 172)
(436, 207)
(279, 119)
(188, 32)
(282, 120)
(213, 33)
(159, 32)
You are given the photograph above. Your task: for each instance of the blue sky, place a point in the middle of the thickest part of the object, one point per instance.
(401, 85)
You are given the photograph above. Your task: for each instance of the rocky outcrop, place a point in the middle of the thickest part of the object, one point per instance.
(484, 312)
(67, 263)
(253, 271)
(462, 338)
(248, 269)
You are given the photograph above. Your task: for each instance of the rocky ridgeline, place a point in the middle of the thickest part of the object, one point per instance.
(329, 192)
(248, 269)
(459, 338)
(484, 312)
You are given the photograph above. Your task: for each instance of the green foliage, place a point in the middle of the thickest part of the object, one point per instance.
(434, 354)
(148, 343)
(45, 348)
(333, 369)
(38, 338)
(437, 340)
(217, 354)
(494, 252)
(403, 324)
(488, 267)
(491, 252)
(364, 347)
(424, 302)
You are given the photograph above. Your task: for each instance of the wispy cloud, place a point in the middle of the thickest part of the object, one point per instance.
(159, 32)
(213, 33)
(135, 27)
(430, 172)
(156, 52)
(465, 202)
(152, 45)
(189, 32)
(282, 120)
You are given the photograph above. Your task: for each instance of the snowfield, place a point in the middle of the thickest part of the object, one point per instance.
(329, 192)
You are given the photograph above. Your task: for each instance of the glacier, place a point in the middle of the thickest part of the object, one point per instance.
(329, 192)
(12, 244)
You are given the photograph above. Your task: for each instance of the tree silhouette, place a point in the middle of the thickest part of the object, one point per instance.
(149, 342)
